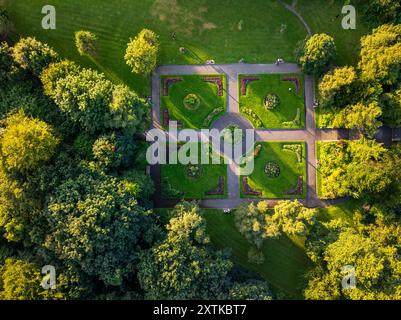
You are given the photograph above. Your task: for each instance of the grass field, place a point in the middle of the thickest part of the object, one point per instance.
(286, 111)
(290, 169)
(258, 31)
(206, 92)
(285, 259)
(326, 16)
(195, 187)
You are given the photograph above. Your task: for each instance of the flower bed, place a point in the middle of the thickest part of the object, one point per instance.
(247, 190)
(211, 116)
(257, 122)
(272, 169)
(244, 83)
(295, 81)
(167, 82)
(191, 101)
(294, 122)
(218, 81)
(166, 120)
(296, 148)
(271, 101)
(194, 171)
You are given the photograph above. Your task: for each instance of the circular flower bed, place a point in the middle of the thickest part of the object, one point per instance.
(272, 169)
(194, 171)
(192, 101)
(229, 136)
(271, 101)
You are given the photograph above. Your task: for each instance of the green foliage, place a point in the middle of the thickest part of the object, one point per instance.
(361, 117)
(354, 168)
(392, 108)
(291, 218)
(250, 290)
(372, 251)
(316, 53)
(105, 152)
(20, 280)
(382, 12)
(33, 55)
(54, 72)
(6, 62)
(184, 266)
(96, 224)
(336, 87)
(380, 57)
(26, 142)
(250, 221)
(86, 43)
(142, 51)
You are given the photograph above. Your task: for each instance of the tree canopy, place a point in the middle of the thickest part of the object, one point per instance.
(142, 51)
(86, 43)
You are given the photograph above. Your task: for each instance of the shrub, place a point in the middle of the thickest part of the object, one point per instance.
(33, 55)
(86, 43)
(271, 101)
(192, 101)
(272, 169)
(141, 53)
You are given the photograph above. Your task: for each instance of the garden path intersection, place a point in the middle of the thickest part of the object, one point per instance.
(309, 134)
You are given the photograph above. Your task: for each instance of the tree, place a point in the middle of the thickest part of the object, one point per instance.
(250, 222)
(56, 71)
(290, 217)
(86, 43)
(184, 266)
(250, 290)
(382, 12)
(372, 252)
(127, 110)
(106, 153)
(142, 51)
(6, 62)
(392, 108)
(33, 55)
(26, 142)
(380, 57)
(336, 88)
(20, 280)
(316, 53)
(96, 224)
(361, 117)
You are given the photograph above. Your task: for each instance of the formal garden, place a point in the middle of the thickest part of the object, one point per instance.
(194, 181)
(273, 101)
(280, 171)
(194, 101)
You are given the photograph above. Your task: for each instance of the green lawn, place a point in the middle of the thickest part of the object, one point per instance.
(206, 92)
(288, 106)
(285, 260)
(176, 176)
(290, 170)
(259, 31)
(326, 17)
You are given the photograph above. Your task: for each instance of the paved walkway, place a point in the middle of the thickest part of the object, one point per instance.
(232, 115)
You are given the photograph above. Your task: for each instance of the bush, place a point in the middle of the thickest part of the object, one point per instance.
(85, 42)
(33, 55)
(192, 101)
(26, 142)
(257, 122)
(141, 53)
(55, 72)
(272, 169)
(271, 101)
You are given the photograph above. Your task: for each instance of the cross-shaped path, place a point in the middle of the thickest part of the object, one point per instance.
(232, 116)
